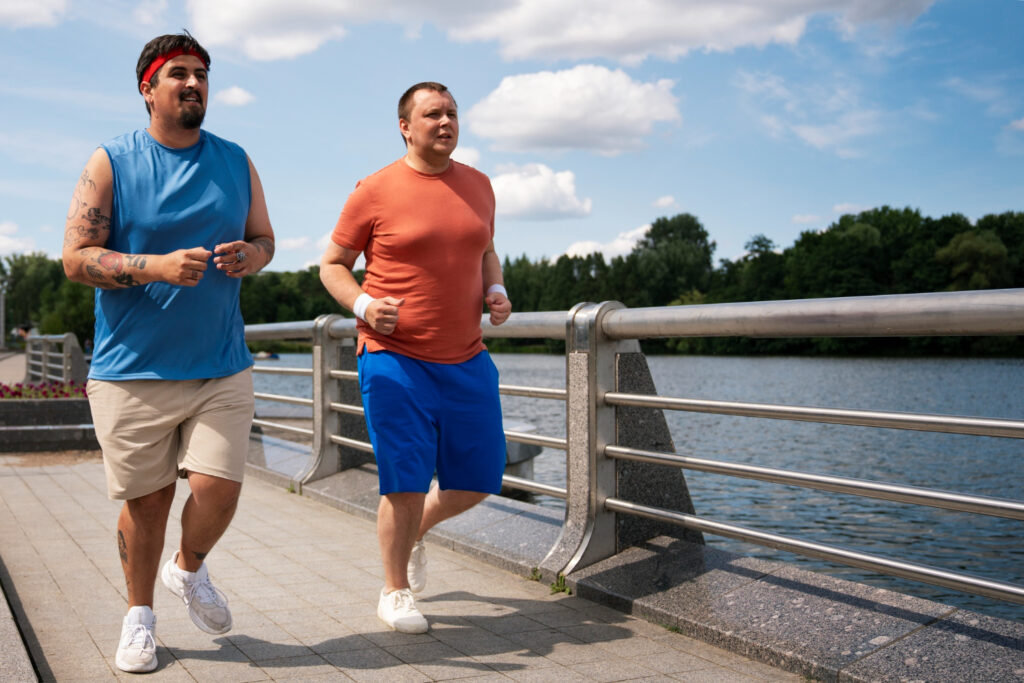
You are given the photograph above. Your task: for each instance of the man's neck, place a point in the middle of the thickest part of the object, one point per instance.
(428, 166)
(173, 136)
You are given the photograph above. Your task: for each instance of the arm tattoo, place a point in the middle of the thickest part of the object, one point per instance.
(266, 246)
(85, 223)
(110, 272)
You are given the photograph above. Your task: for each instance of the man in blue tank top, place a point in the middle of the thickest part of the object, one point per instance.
(164, 223)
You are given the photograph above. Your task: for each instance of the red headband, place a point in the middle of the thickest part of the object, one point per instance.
(155, 65)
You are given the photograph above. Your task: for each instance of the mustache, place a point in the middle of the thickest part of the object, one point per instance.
(191, 91)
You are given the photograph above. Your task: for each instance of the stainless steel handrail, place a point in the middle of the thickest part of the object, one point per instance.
(987, 312)
(948, 500)
(951, 424)
(283, 427)
(883, 565)
(282, 398)
(533, 392)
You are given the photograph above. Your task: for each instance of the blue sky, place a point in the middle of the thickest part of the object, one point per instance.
(592, 118)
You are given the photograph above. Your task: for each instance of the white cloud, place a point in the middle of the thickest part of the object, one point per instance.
(267, 30)
(837, 135)
(828, 118)
(986, 90)
(536, 192)
(22, 13)
(1017, 125)
(150, 12)
(234, 97)
(850, 208)
(630, 32)
(467, 155)
(620, 246)
(664, 202)
(10, 243)
(540, 29)
(292, 242)
(806, 219)
(587, 107)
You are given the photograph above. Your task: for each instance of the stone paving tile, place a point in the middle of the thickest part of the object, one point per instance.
(548, 675)
(303, 580)
(294, 668)
(616, 670)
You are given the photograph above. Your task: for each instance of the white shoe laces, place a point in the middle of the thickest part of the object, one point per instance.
(402, 600)
(140, 636)
(204, 592)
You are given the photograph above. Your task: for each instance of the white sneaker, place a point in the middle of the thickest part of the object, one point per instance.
(136, 652)
(398, 610)
(417, 569)
(206, 605)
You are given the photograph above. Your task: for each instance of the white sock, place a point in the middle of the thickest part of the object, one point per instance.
(140, 614)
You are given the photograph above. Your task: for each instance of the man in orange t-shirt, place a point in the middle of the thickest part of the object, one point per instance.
(430, 390)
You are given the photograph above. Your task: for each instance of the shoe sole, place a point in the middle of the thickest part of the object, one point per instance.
(399, 629)
(138, 668)
(165, 578)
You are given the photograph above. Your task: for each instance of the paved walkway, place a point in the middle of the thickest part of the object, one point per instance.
(302, 579)
(12, 367)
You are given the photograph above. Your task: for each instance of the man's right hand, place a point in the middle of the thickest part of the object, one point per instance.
(184, 267)
(382, 314)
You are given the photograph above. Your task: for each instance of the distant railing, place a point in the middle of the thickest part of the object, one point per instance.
(54, 358)
(599, 336)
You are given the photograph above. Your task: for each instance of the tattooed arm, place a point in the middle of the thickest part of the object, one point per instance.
(87, 229)
(257, 249)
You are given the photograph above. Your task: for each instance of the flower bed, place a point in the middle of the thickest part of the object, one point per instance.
(42, 390)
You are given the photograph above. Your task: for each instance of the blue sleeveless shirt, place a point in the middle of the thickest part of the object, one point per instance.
(167, 199)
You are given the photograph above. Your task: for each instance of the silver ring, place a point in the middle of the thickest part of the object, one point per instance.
(240, 256)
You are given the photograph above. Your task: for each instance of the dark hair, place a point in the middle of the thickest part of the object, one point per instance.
(406, 99)
(162, 45)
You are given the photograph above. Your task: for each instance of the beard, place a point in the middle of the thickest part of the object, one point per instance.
(192, 118)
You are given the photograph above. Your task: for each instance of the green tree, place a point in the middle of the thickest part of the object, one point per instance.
(70, 308)
(674, 257)
(976, 260)
(27, 278)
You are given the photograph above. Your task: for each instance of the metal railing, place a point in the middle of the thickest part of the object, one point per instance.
(54, 358)
(599, 336)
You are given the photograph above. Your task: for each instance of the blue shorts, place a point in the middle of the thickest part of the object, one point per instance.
(428, 417)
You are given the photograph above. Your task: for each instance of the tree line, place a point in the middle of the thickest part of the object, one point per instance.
(880, 251)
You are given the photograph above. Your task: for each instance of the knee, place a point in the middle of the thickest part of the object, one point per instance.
(460, 500)
(152, 506)
(214, 491)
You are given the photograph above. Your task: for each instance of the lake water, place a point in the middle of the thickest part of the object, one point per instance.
(976, 544)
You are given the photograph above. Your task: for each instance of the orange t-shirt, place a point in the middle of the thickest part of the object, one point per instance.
(424, 238)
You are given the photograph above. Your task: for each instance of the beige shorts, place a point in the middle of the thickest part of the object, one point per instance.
(152, 430)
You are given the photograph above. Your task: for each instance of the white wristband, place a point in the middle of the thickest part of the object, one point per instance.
(359, 307)
(498, 288)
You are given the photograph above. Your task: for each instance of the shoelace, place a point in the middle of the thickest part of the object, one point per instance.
(204, 592)
(140, 637)
(403, 600)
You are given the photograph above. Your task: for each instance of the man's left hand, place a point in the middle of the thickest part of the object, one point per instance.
(236, 258)
(499, 306)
